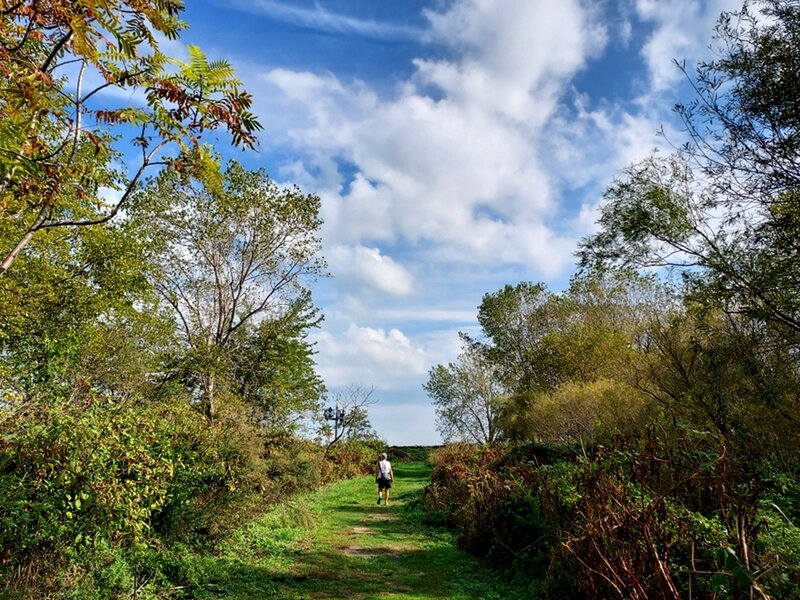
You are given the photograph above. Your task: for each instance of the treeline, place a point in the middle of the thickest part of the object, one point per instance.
(637, 434)
(154, 363)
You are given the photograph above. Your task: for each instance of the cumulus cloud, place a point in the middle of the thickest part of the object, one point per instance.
(359, 266)
(681, 32)
(451, 165)
(484, 160)
(373, 356)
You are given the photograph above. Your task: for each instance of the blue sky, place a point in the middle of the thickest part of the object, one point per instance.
(457, 145)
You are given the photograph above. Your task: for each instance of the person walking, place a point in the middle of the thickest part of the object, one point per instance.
(384, 476)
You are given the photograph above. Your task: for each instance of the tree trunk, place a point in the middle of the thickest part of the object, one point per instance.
(210, 382)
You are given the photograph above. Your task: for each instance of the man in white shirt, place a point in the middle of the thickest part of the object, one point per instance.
(384, 475)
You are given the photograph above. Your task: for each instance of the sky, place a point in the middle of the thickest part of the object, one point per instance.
(456, 145)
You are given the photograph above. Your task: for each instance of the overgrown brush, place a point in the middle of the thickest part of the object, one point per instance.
(667, 515)
(98, 492)
(84, 476)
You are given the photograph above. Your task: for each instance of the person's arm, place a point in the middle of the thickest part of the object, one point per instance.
(377, 471)
(391, 472)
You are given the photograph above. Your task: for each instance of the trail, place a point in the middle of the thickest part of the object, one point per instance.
(338, 543)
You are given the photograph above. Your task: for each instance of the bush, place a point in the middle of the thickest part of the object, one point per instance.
(658, 516)
(98, 494)
(352, 458)
(76, 477)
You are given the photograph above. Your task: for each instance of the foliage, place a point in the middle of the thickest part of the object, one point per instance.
(98, 492)
(467, 396)
(728, 375)
(61, 62)
(570, 357)
(80, 309)
(419, 454)
(655, 518)
(227, 260)
(98, 471)
(583, 413)
(514, 319)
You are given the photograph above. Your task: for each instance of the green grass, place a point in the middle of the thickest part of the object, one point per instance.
(338, 543)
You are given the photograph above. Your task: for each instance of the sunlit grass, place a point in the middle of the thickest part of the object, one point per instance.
(338, 543)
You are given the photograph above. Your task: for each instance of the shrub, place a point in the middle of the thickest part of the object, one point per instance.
(103, 472)
(670, 514)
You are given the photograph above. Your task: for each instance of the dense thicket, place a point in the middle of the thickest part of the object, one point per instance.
(653, 425)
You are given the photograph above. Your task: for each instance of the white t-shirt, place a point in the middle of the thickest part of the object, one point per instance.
(385, 469)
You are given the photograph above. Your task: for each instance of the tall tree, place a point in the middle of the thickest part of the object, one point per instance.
(79, 311)
(63, 66)
(467, 396)
(228, 259)
(724, 210)
(275, 371)
(513, 321)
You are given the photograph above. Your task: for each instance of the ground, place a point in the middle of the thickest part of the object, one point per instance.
(339, 543)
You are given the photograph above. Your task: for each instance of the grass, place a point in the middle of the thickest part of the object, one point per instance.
(338, 543)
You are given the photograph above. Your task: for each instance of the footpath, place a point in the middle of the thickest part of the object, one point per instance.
(339, 543)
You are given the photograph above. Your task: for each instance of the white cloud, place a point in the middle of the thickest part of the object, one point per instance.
(321, 19)
(371, 356)
(452, 163)
(682, 32)
(358, 267)
(512, 56)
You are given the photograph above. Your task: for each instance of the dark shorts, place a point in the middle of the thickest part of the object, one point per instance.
(384, 484)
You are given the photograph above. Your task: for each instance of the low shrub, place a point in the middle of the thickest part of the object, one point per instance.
(96, 493)
(352, 458)
(665, 515)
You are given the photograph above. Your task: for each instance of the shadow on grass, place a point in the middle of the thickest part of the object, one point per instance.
(381, 572)
(412, 471)
(386, 554)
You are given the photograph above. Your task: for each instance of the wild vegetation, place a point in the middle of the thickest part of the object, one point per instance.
(650, 413)
(127, 429)
(633, 436)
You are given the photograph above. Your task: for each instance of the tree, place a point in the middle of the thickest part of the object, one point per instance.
(227, 260)
(564, 357)
(63, 65)
(724, 209)
(538, 340)
(80, 312)
(467, 396)
(513, 321)
(349, 414)
(357, 426)
(577, 412)
(274, 370)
